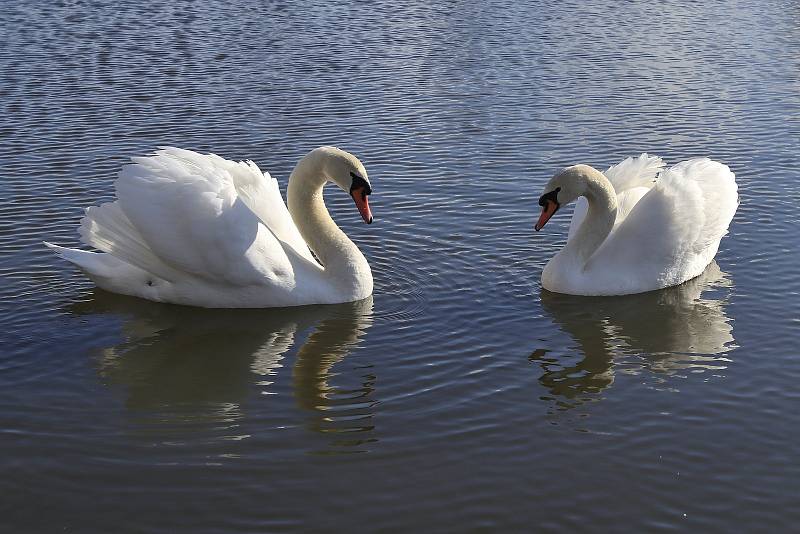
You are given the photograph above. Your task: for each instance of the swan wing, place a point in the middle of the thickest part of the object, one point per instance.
(182, 210)
(673, 231)
(260, 192)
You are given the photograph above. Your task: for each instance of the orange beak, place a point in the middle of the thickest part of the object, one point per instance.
(548, 210)
(359, 195)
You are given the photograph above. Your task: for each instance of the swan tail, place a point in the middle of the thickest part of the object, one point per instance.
(634, 172)
(94, 264)
(109, 272)
(107, 228)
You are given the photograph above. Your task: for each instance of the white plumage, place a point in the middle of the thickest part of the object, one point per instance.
(198, 229)
(633, 231)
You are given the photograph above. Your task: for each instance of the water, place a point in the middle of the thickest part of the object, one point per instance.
(461, 396)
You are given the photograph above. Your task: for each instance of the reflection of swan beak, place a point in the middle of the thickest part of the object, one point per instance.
(359, 195)
(548, 210)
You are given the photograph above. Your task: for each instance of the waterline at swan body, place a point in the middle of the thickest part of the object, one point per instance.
(201, 230)
(637, 227)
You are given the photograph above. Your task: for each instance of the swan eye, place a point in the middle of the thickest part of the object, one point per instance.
(359, 182)
(552, 195)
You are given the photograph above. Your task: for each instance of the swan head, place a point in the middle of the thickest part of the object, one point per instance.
(346, 171)
(565, 187)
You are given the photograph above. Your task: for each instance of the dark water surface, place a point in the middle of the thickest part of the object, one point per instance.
(461, 396)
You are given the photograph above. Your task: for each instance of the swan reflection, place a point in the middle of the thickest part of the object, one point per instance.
(682, 328)
(182, 366)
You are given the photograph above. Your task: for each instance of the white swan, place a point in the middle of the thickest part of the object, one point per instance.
(631, 233)
(200, 230)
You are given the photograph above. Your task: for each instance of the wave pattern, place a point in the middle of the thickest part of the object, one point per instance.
(460, 385)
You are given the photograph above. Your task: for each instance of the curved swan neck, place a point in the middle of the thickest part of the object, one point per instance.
(600, 217)
(343, 261)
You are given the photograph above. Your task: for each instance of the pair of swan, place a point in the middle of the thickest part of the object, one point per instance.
(200, 230)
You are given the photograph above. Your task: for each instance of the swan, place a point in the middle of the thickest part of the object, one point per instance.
(201, 230)
(632, 231)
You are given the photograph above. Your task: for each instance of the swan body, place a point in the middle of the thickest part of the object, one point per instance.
(201, 230)
(638, 227)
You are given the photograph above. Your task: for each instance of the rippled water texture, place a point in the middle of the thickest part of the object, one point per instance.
(461, 396)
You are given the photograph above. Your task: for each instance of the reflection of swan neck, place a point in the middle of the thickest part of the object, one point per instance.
(330, 343)
(600, 217)
(343, 261)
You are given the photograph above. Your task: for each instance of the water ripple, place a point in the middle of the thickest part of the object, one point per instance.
(461, 385)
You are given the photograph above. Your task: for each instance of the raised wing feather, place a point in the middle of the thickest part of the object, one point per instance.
(260, 192)
(634, 172)
(186, 209)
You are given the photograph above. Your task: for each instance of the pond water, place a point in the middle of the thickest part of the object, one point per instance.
(460, 396)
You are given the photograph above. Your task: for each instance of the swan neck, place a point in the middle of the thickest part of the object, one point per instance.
(600, 216)
(344, 263)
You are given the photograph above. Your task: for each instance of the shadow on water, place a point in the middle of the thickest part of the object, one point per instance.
(184, 367)
(667, 332)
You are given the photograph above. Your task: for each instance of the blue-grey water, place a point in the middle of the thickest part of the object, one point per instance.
(461, 396)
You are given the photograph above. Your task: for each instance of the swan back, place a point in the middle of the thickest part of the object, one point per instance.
(181, 222)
